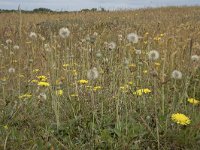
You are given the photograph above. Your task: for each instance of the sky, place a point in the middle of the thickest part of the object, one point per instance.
(71, 5)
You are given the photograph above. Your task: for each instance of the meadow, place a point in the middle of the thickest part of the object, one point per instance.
(100, 80)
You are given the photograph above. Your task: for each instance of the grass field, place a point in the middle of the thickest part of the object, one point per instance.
(83, 81)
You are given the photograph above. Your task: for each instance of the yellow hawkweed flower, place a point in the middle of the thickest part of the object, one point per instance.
(74, 72)
(44, 84)
(89, 87)
(5, 127)
(141, 91)
(97, 88)
(145, 42)
(24, 96)
(124, 88)
(65, 65)
(132, 65)
(42, 78)
(193, 101)
(4, 79)
(145, 71)
(157, 64)
(59, 92)
(34, 81)
(161, 34)
(83, 81)
(36, 70)
(74, 95)
(180, 119)
(130, 83)
(21, 76)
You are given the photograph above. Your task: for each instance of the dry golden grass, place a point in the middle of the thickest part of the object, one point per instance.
(74, 112)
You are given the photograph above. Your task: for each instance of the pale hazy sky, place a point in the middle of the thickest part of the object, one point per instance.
(80, 4)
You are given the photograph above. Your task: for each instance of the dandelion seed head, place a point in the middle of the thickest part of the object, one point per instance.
(11, 70)
(126, 62)
(5, 47)
(133, 37)
(195, 58)
(138, 52)
(42, 96)
(120, 37)
(98, 55)
(177, 74)
(112, 45)
(8, 41)
(92, 74)
(33, 35)
(64, 32)
(47, 48)
(153, 55)
(15, 47)
(95, 34)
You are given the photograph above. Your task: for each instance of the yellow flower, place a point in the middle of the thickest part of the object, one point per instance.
(74, 72)
(89, 87)
(74, 95)
(124, 88)
(130, 83)
(14, 61)
(45, 84)
(5, 127)
(59, 92)
(157, 64)
(65, 65)
(83, 81)
(97, 88)
(36, 70)
(24, 96)
(42, 78)
(145, 71)
(180, 119)
(193, 101)
(21, 76)
(141, 91)
(4, 79)
(145, 42)
(34, 81)
(132, 65)
(161, 34)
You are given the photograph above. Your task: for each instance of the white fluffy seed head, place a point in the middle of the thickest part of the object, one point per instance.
(133, 37)
(92, 74)
(64, 32)
(42, 96)
(98, 55)
(120, 37)
(47, 48)
(8, 41)
(11, 70)
(126, 61)
(33, 35)
(112, 45)
(138, 52)
(195, 58)
(177, 74)
(153, 55)
(16, 47)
